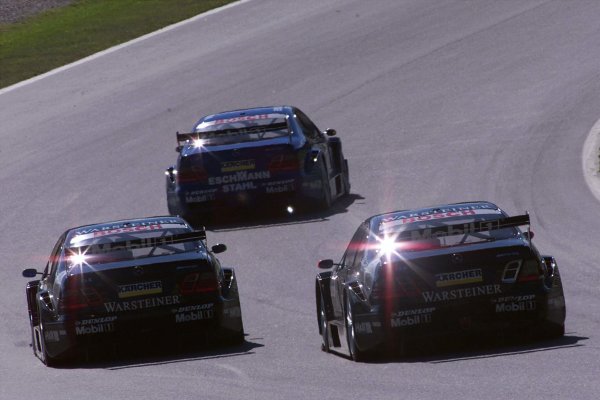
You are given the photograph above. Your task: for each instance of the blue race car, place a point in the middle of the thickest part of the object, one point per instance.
(268, 155)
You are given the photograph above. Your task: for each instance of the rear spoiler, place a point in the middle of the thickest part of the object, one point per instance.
(461, 229)
(102, 248)
(260, 130)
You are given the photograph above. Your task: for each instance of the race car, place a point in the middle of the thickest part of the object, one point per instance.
(131, 279)
(454, 270)
(268, 155)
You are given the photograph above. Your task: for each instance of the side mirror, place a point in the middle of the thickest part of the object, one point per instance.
(325, 264)
(30, 273)
(218, 248)
(528, 235)
(331, 132)
(178, 149)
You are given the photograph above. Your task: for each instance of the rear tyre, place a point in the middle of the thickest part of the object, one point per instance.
(355, 353)
(346, 178)
(43, 353)
(324, 203)
(324, 326)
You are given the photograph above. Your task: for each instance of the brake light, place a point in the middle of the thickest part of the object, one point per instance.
(199, 282)
(284, 163)
(530, 271)
(77, 296)
(193, 174)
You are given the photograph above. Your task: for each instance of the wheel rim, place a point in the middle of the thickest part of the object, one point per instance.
(324, 331)
(350, 329)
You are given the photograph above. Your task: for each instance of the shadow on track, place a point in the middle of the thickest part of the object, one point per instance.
(268, 215)
(141, 354)
(456, 351)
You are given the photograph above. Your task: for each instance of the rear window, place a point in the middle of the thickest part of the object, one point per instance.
(110, 245)
(410, 232)
(246, 128)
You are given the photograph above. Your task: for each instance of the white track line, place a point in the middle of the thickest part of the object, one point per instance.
(591, 160)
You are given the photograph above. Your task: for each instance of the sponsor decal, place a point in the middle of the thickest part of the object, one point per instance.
(194, 313)
(458, 278)
(279, 189)
(140, 289)
(199, 196)
(444, 210)
(237, 187)
(51, 336)
(133, 305)
(412, 218)
(101, 228)
(242, 118)
(239, 176)
(239, 165)
(462, 293)
(515, 303)
(233, 312)
(412, 317)
(95, 325)
(363, 327)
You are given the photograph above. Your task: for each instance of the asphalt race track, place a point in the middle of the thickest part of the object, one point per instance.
(435, 101)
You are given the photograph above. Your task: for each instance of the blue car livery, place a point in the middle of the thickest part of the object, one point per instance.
(242, 157)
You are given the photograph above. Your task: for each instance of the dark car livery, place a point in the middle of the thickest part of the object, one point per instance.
(434, 272)
(257, 155)
(131, 278)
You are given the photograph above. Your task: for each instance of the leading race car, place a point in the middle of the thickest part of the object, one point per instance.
(131, 279)
(256, 156)
(435, 272)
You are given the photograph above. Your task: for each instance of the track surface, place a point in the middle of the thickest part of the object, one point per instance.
(436, 101)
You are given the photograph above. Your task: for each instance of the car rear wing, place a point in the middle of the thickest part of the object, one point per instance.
(101, 248)
(462, 229)
(259, 130)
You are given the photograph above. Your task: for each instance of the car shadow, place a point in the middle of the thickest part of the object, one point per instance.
(267, 215)
(153, 353)
(456, 351)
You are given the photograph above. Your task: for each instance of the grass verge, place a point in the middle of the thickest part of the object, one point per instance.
(63, 35)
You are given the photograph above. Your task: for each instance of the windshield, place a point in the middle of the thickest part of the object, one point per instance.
(112, 245)
(241, 129)
(417, 233)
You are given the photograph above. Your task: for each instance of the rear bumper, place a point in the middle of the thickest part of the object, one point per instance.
(376, 327)
(196, 320)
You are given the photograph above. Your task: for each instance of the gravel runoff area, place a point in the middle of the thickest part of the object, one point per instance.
(17, 10)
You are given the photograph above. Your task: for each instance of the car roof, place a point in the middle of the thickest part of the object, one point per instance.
(123, 223)
(247, 112)
(467, 205)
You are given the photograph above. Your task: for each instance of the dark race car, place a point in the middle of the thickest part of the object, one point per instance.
(455, 270)
(129, 280)
(256, 156)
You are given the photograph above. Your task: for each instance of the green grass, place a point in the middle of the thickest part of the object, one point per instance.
(60, 36)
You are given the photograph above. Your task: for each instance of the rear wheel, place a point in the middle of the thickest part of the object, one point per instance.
(346, 178)
(325, 201)
(355, 353)
(324, 326)
(43, 353)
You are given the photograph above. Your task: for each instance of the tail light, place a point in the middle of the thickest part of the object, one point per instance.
(77, 296)
(193, 174)
(530, 271)
(198, 283)
(284, 163)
